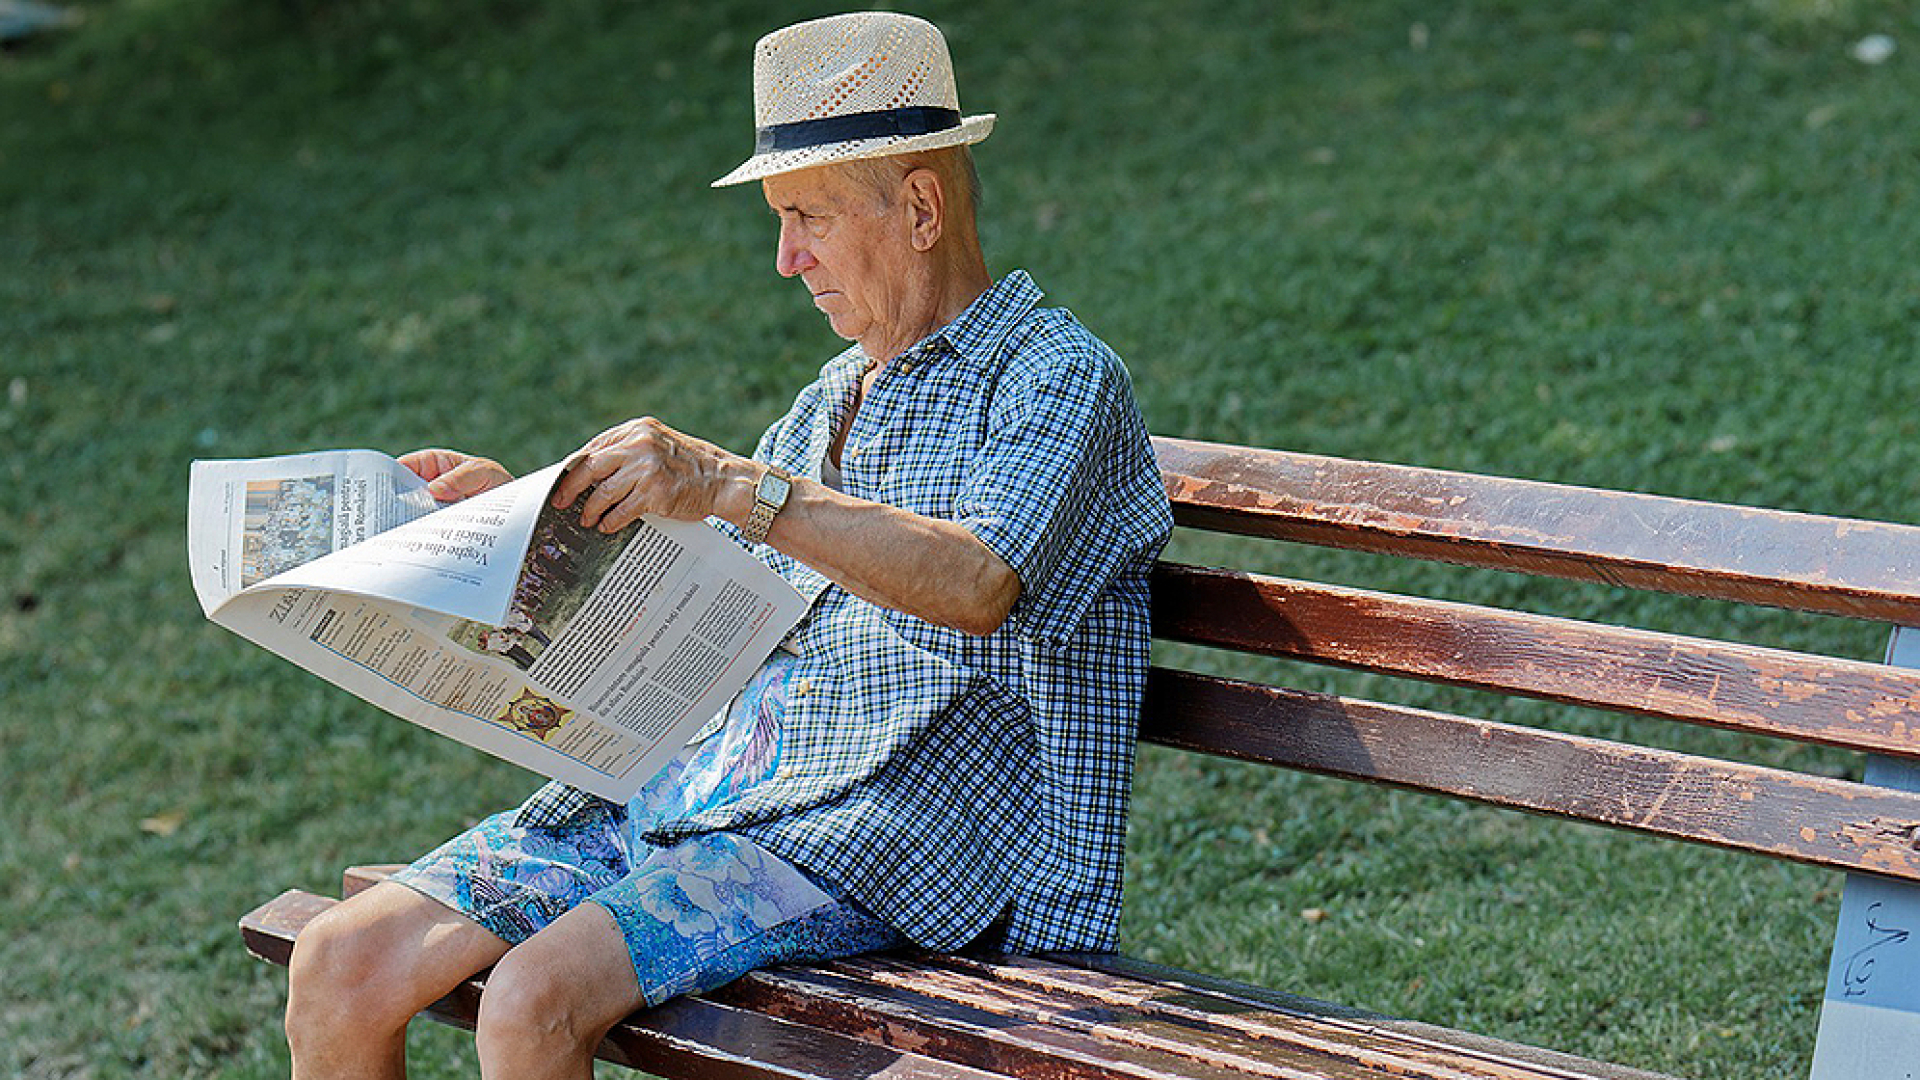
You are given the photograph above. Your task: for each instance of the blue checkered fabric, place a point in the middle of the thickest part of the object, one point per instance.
(947, 783)
(952, 783)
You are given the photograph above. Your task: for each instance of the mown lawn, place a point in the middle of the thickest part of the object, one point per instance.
(1664, 247)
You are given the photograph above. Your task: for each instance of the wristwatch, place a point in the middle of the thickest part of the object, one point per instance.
(771, 494)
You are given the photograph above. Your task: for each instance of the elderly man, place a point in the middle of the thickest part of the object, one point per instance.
(941, 752)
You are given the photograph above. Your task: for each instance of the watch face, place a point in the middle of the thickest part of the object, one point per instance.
(773, 489)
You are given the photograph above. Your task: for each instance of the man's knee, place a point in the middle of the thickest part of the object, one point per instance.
(336, 976)
(363, 966)
(533, 1005)
(329, 962)
(561, 990)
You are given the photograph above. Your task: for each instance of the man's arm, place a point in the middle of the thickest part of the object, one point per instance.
(932, 569)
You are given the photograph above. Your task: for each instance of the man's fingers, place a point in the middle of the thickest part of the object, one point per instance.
(430, 463)
(587, 469)
(610, 436)
(635, 468)
(467, 479)
(621, 490)
(622, 514)
(452, 475)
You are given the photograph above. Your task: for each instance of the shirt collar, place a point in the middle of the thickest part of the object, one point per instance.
(977, 332)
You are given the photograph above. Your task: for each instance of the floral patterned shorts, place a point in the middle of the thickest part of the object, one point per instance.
(695, 915)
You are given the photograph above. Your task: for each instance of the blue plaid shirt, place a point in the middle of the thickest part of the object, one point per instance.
(943, 780)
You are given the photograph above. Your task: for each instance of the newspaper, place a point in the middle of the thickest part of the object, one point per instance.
(497, 621)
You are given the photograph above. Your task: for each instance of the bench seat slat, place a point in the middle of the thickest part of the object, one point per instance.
(1255, 1007)
(1823, 822)
(967, 1019)
(1196, 1002)
(697, 1037)
(1128, 1014)
(1129, 1031)
(1845, 703)
(1807, 562)
(964, 1028)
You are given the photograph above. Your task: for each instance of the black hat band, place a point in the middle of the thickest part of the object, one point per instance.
(907, 121)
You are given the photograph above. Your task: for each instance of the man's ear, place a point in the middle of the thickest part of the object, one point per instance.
(926, 202)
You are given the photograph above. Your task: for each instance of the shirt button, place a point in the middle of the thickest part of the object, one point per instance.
(802, 687)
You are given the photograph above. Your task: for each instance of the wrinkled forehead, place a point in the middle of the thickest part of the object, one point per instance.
(825, 184)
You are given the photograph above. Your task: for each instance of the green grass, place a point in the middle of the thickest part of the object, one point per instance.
(1666, 247)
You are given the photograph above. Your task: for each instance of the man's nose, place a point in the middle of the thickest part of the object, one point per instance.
(793, 257)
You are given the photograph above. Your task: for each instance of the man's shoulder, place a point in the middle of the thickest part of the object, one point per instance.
(1052, 341)
(1007, 330)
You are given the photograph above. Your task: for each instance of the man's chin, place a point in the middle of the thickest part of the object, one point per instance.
(841, 328)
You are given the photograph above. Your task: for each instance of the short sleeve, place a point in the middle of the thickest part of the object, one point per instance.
(1063, 487)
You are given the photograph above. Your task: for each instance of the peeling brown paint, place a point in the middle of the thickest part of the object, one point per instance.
(1883, 831)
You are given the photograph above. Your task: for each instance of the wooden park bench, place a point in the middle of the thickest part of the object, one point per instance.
(1085, 1016)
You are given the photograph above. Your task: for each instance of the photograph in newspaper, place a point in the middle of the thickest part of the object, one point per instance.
(287, 523)
(564, 562)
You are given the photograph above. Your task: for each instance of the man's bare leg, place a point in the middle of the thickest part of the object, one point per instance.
(554, 997)
(362, 970)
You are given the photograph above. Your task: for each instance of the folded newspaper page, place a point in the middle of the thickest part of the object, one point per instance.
(497, 621)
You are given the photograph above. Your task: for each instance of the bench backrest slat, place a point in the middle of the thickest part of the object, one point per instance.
(1816, 820)
(1798, 561)
(1770, 692)
(1805, 562)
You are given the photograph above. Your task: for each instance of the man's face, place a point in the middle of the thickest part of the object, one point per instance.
(851, 249)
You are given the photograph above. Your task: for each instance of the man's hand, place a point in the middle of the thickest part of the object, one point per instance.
(452, 475)
(645, 467)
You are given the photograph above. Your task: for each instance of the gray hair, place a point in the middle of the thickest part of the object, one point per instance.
(954, 165)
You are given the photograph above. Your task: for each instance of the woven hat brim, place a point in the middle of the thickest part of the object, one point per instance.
(761, 166)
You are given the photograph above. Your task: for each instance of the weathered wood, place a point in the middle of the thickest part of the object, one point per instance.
(1129, 1019)
(985, 1033)
(1817, 699)
(1109, 1018)
(884, 1000)
(269, 929)
(358, 879)
(1810, 819)
(1808, 562)
(1225, 1001)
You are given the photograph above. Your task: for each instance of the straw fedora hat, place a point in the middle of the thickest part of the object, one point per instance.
(856, 86)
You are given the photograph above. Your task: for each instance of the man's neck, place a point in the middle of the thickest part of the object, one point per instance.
(950, 284)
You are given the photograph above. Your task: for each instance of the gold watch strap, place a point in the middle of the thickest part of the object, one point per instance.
(768, 497)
